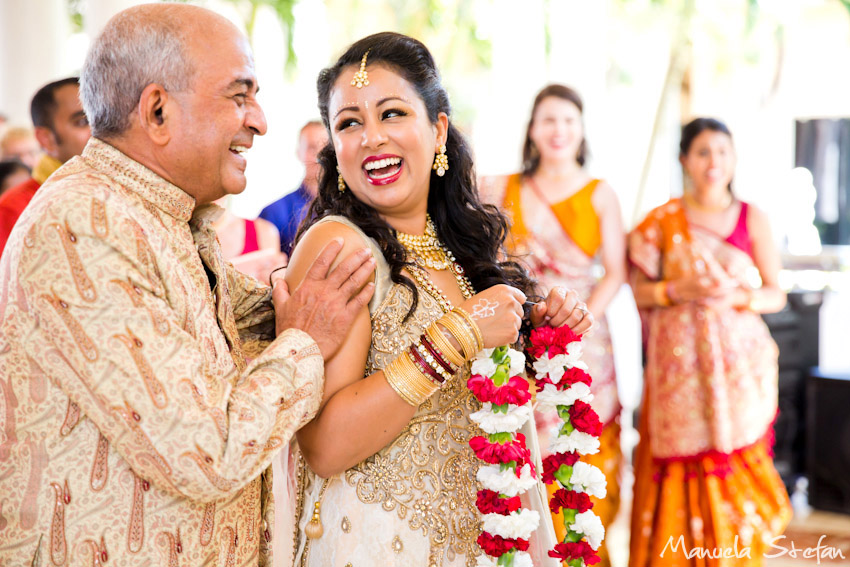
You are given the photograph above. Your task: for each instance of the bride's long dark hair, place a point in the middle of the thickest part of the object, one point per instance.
(473, 231)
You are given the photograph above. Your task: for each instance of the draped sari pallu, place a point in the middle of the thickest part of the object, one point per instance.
(559, 243)
(703, 468)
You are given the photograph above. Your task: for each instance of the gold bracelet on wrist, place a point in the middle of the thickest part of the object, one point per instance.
(472, 325)
(751, 301)
(659, 294)
(457, 327)
(408, 381)
(441, 342)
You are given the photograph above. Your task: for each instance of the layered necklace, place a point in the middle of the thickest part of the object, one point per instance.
(427, 251)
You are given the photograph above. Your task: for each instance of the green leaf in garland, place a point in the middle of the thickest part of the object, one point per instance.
(566, 429)
(507, 558)
(500, 377)
(563, 475)
(501, 438)
(501, 409)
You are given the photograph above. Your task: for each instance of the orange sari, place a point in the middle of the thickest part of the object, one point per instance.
(706, 492)
(559, 243)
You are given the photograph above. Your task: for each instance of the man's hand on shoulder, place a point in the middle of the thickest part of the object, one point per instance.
(326, 302)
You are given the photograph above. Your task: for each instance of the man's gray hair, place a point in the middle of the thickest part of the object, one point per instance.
(133, 51)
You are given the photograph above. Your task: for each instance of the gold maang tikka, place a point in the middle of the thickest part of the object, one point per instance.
(361, 78)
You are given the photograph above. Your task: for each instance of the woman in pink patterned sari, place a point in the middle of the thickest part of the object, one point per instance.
(703, 268)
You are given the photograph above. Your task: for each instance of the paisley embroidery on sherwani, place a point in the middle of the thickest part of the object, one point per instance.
(82, 340)
(144, 254)
(207, 524)
(99, 556)
(29, 238)
(134, 346)
(227, 547)
(58, 545)
(203, 461)
(216, 414)
(167, 544)
(136, 529)
(69, 240)
(72, 417)
(132, 418)
(98, 218)
(100, 467)
(134, 292)
(427, 474)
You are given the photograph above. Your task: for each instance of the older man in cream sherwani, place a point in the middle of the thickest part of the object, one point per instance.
(145, 386)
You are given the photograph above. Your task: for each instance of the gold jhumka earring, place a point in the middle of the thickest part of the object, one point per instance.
(441, 162)
(361, 78)
(340, 182)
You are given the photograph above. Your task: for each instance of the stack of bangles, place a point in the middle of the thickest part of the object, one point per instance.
(429, 363)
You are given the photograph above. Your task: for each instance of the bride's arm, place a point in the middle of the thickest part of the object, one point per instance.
(358, 416)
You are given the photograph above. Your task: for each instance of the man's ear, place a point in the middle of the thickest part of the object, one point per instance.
(47, 140)
(153, 113)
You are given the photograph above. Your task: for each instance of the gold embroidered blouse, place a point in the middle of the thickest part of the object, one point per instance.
(134, 428)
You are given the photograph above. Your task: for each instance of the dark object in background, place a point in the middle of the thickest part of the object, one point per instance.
(796, 332)
(828, 441)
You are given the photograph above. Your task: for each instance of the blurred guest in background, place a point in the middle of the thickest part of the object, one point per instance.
(62, 130)
(704, 477)
(252, 246)
(286, 213)
(12, 172)
(564, 223)
(20, 143)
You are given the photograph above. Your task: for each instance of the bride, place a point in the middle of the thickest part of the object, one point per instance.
(385, 474)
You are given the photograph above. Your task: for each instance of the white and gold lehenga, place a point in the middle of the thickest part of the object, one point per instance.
(412, 503)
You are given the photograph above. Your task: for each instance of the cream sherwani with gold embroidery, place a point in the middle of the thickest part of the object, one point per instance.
(142, 391)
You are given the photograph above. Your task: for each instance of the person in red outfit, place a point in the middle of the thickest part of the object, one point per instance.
(62, 130)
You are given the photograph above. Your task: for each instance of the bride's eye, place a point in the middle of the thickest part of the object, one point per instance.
(345, 123)
(393, 113)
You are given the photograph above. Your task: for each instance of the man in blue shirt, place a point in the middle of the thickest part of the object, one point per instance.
(287, 212)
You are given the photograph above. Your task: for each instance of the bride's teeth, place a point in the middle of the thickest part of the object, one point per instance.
(239, 149)
(381, 163)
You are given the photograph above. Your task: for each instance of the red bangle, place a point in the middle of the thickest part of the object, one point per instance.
(423, 365)
(438, 356)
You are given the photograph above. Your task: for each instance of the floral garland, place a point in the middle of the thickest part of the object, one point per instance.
(564, 386)
(498, 382)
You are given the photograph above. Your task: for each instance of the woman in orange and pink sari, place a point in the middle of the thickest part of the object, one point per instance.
(566, 226)
(703, 268)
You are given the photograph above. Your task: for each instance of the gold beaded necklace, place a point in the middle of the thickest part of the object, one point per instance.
(427, 251)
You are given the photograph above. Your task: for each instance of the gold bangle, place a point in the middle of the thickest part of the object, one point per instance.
(394, 380)
(659, 294)
(408, 381)
(421, 384)
(472, 325)
(455, 325)
(442, 343)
